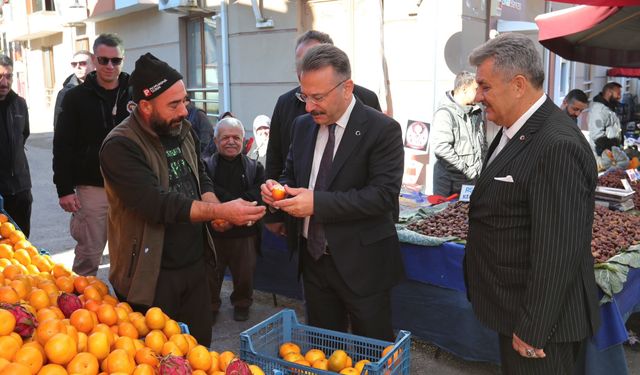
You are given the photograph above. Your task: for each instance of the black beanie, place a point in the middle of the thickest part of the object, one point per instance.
(151, 78)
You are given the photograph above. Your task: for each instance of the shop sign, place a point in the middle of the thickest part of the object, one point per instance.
(465, 193)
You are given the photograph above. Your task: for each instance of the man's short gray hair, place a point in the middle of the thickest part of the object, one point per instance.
(463, 79)
(314, 35)
(6, 61)
(513, 54)
(230, 122)
(323, 55)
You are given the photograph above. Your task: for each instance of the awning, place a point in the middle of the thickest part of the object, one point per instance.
(601, 35)
(624, 72)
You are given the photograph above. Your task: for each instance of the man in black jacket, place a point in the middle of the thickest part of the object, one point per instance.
(89, 112)
(15, 180)
(288, 107)
(82, 65)
(235, 176)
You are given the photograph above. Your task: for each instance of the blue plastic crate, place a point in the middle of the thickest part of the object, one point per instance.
(260, 344)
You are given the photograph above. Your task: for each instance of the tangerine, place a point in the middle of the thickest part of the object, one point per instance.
(22, 256)
(79, 283)
(16, 236)
(6, 229)
(127, 329)
(199, 358)
(155, 340)
(90, 292)
(170, 347)
(12, 271)
(147, 356)
(31, 357)
(7, 322)
(181, 341)
(322, 364)
(83, 363)
(59, 270)
(338, 360)
(224, 359)
(171, 328)
(61, 349)
(98, 345)
(6, 251)
(15, 368)
(154, 318)
(120, 361)
(39, 299)
(144, 369)
(82, 320)
(52, 369)
(65, 284)
(288, 347)
(255, 370)
(126, 344)
(314, 355)
(107, 314)
(49, 328)
(8, 347)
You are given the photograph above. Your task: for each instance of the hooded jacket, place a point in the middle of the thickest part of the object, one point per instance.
(84, 122)
(14, 167)
(458, 138)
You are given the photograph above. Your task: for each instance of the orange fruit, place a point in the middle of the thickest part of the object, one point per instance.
(11, 271)
(92, 305)
(57, 310)
(32, 250)
(98, 345)
(21, 288)
(199, 358)
(8, 295)
(16, 236)
(52, 369)
(171, 328)
(4, 218)
(107, 331)
(288, 347)
(90, 292)
(126, 307)
(79, 283)
(146, 356)
(22, 256)
(15, 368)
(123, 315)
(360, 365)
(3, 363)
(191, 340)
(393, 358)
(45, 314)
(349, 371)
(36, 345)
(107, 314)
(181, 341)
(120, 361)
(144, 369)
(60, 270)
(23, 244)
(155, 340)
(198, 372)
(65, 284)
(39, 299)
(6, 229)
(127, 329)
(61, 349)
(338, 361)
(83, 363)
(322, 364)
(31, 357)
(303, 362)
(49, 328)
(82, 320)
(215, 362)
(154, 318)
(100, 285)
(82, 342)
(126, 344)
(255, 370)
(7, 322)
(314, 355)
(293, 357)
(170, 347)
(111, 300)
(224, 359)
(6, 251)
(16, 337)
(8, 347)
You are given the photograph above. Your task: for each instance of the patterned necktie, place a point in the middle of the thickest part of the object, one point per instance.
(316, 241)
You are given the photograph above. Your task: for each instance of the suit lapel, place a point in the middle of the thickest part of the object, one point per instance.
(515, 146)
(353, 133)
(309, 146)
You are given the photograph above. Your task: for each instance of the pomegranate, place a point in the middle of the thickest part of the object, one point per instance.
(68, 303)
(238, 367)
(25, 321)
(173, 365)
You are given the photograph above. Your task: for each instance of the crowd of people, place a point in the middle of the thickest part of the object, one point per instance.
(137, 163)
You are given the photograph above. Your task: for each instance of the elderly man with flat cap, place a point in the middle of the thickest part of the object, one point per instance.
(159, 199)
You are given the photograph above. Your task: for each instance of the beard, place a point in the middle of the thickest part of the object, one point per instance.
(573, 117)
(162, 127)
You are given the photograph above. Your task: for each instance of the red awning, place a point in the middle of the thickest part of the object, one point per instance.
(605, 35)
(624, 72)
(611, 3)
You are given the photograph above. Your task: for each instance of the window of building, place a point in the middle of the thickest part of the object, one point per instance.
(202, 64)
(49, 74)
(42, 5)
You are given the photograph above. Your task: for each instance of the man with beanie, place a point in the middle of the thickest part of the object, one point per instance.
(89, 112)
(160, 197)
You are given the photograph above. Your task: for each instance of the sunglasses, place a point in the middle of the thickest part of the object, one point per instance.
(76, 63)
(115, 61)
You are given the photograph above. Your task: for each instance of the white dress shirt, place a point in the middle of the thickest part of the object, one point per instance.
(321, 143)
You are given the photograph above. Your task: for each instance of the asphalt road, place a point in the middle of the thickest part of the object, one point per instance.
(50, 230)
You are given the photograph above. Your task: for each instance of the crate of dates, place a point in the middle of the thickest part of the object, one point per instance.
(452, 222)
(612, 232)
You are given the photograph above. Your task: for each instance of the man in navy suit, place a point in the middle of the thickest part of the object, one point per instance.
(343, 175)
(529, 268)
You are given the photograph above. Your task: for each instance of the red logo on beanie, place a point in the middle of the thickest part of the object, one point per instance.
(146, 92)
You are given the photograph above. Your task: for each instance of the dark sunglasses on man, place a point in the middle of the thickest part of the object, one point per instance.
(76, 63)
(115, 61)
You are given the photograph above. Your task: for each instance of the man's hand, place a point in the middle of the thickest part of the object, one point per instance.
(240, 212)
(277, 228)
(525, 349)
(265, 191)
(299, 205)
(70, 203)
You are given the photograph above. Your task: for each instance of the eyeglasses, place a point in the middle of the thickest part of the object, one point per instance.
(7, 76)
(115, 61)
(316, 99)
(76, 63)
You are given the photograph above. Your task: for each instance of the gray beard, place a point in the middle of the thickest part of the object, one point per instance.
(163, 128)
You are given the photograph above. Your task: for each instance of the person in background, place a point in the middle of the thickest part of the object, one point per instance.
(457, 138)
(528, 263)
(82, 64)
(89, 112)
(211, 147)
(15, 179)
(574, 103)
(235, 176)
(261, 127)
(343, 177)
(287, 108)
(200, 123)
(159, 197)
(604, 125)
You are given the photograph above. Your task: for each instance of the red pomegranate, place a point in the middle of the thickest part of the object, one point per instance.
(238, 367)
(68, 303)
(174, 365)
(25, 321)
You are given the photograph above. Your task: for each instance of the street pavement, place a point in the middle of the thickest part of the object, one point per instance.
(50, 230)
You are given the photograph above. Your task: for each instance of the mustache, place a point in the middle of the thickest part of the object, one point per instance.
(316, 113)
(4, 87)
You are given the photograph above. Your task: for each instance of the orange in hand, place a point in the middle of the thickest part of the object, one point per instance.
(278, 192)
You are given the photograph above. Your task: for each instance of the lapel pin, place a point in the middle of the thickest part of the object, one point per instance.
(522, 137)
(358, 132)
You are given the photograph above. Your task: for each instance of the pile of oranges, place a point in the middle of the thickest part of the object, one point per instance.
(339, 361)
(105, 336)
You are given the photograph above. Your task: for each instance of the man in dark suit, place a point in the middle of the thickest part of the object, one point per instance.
(528, 264)
(343, 176)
